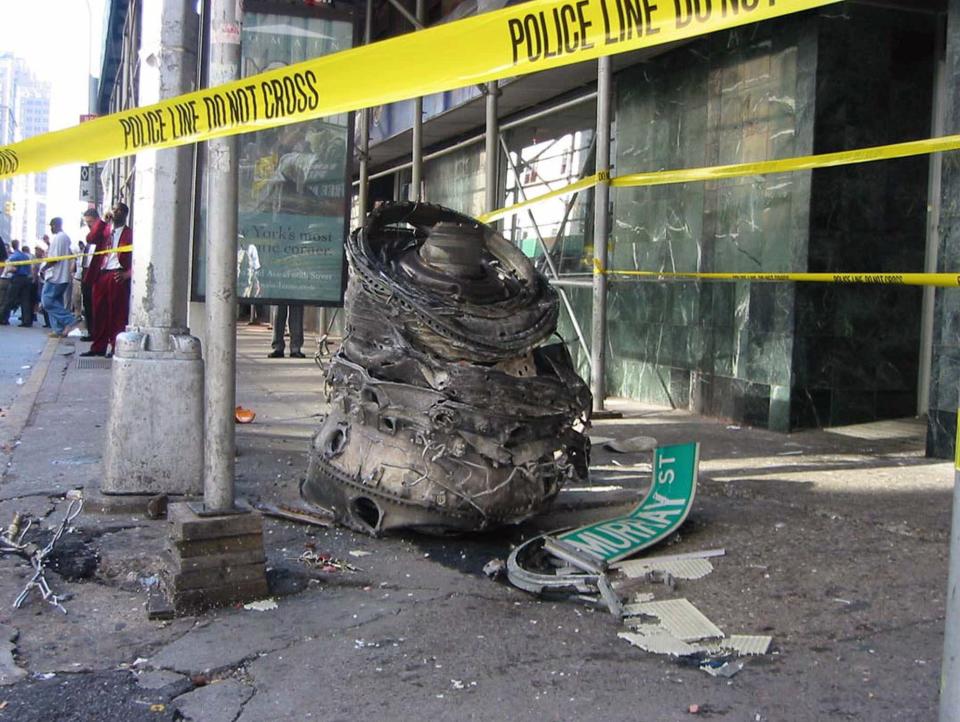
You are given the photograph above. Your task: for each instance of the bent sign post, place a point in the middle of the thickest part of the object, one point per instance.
(661, 512)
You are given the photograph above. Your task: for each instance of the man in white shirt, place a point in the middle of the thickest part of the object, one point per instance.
(56, 276)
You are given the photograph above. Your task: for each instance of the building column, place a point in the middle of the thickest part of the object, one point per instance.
(945, 366)
(155, 427)
(944, 401)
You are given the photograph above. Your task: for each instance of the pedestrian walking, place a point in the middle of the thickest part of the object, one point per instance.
(56, 281)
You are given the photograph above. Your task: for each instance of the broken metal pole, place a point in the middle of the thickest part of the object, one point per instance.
(221, 280)
(950, 669)
(364, 190)
(601, 200)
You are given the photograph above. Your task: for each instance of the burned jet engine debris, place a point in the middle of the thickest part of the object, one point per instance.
(447, 411)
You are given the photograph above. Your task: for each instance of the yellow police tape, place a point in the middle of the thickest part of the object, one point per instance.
(739, 170)
(517, 40)
(940, 280)
(54, 259)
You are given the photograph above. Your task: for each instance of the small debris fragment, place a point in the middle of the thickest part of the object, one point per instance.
(157, 707)
(678, 617)
(693, 709)
(157, 506)
(634, 445)
(654, 639)
(747, 645)
(359, 553)
(13, 541)
(262, 605)
(244, 416)
(300, 514)
(727, 669)
(494, 568)
(325, 562)
(689, 569)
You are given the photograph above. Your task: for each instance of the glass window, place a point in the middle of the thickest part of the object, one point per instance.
(547, 155)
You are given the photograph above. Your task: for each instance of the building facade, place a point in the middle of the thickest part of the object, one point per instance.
(781, 356)
(24, 113)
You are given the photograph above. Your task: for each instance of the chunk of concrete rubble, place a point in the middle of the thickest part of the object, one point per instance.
(219, 701)
(10, 673)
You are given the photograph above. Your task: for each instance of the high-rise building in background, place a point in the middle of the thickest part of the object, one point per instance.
(24, 113)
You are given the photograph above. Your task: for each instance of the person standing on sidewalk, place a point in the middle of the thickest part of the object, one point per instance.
(111, 290)
(283, 313)
(20, 290)
(56, 281)
(97, 239)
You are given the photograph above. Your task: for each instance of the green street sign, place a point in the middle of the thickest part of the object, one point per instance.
(661, 512)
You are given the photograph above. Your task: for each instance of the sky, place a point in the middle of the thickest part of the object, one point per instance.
(54, 37)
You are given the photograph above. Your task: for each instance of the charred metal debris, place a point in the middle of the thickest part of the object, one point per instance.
(449, 412)
(14, 540)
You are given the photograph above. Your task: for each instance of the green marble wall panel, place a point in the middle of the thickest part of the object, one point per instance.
(734, 97)
(857, 347)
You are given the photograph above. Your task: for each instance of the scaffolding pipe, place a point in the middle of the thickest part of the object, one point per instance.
(221, 280)
(416, 176)
(477, 138)
(413, 20)
(492, 132)
(364, 183)
(601, 221)
(554, 273)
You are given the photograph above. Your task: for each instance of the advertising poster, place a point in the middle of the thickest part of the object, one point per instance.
(293, 187)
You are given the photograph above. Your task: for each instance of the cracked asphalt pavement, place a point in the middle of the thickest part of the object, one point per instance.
(836, 545)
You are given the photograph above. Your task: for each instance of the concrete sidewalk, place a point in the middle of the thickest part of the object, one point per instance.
(836, 545)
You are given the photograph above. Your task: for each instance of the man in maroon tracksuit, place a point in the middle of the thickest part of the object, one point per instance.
(110, 275)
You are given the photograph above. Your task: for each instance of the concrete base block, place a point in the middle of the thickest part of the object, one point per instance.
(213, 561)
(155, 427)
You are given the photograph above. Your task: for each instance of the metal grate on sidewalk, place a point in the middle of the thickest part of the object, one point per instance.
(93, 362)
